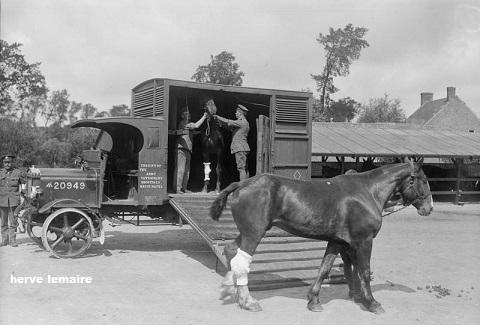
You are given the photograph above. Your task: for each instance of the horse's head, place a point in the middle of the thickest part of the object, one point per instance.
(210, 107)
(415, 190)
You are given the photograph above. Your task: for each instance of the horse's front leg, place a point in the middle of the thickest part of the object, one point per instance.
(219, 172)
(353, 280)
(228, 284)
(364, 251)
(313, 295)
(206, 171)
(235, 282)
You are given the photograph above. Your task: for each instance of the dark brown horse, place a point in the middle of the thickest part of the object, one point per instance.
(212, 144)
(345, 211)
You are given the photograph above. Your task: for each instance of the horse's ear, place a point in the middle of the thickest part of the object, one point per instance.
(405, 159)
(420, 161)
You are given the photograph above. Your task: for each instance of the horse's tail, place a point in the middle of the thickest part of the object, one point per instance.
(219, 204)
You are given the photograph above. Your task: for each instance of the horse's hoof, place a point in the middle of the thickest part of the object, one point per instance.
(253, 306)
(315, 307)
(227, 292)
(356, 297)
(376, 308)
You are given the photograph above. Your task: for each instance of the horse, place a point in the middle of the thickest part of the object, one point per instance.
(345, 211)
(212, 144)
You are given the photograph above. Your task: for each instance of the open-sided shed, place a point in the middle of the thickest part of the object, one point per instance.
(350, 141)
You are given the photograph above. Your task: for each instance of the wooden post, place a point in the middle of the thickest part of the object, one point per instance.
(260, 143)
(458, 164)
(342, 165)
(357, 160)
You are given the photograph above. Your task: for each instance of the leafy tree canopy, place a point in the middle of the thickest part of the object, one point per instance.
(18, 79)
(342, 47)
(221, 70)
(343, 110)
(57, 108)
(119, 110)
(381, 110)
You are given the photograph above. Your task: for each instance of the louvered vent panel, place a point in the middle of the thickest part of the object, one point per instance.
(159, 99)
(143, 103)
(291, 109)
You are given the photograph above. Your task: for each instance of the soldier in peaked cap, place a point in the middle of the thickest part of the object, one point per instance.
(10, 180)
(239, 146)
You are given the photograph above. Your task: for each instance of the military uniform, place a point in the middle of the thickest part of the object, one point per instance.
(184, 152)
(239, 146)
(184, 156)
(9, 200)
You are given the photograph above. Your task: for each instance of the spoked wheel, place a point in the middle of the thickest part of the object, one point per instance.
(73, 229)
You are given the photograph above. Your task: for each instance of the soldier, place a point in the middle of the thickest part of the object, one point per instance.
(184, 148)
(10, 180)
(239, 146)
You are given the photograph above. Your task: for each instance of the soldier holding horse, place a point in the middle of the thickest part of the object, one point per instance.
(239, 146)
(184, 148)
(345, 211)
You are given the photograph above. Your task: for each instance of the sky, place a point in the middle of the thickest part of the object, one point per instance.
(99, 50)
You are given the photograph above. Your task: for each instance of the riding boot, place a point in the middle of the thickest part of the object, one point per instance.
(12, 237)
(4, 225)
(13, 240)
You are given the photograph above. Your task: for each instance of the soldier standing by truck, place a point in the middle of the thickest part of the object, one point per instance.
(239, 146)
(10, 180)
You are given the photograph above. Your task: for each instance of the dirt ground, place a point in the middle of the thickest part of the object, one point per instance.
(426, 271)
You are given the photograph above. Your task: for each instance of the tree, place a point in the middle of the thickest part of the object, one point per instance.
(102, 114)
(18, 79)
(343, 110)
(75, 108)
(342, 47)
(88, 110)
(221, 70)
(119, 110)
(20, 139)
(380, 110)
(57, 107)
(30, 108)
(55, 153)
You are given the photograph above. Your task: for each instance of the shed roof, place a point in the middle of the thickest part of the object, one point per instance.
(363, 140)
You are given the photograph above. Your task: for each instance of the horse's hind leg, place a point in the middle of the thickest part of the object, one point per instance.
(363, 254)
(352, 277)
(331, 253)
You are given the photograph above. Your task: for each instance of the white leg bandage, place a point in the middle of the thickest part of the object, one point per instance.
(241, 266)
(206, 170)
(228, 279)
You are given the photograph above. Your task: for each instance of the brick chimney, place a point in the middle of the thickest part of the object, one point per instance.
(425, 98)
(450, 93)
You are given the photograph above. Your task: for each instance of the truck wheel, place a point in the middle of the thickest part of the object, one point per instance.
(73, 229)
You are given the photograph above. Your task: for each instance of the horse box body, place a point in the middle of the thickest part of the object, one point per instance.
(130, 171)
(280, 125)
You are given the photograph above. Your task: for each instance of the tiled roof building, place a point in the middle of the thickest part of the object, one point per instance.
(445, 113)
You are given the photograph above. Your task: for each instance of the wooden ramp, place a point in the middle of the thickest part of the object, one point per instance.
(281, 260)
